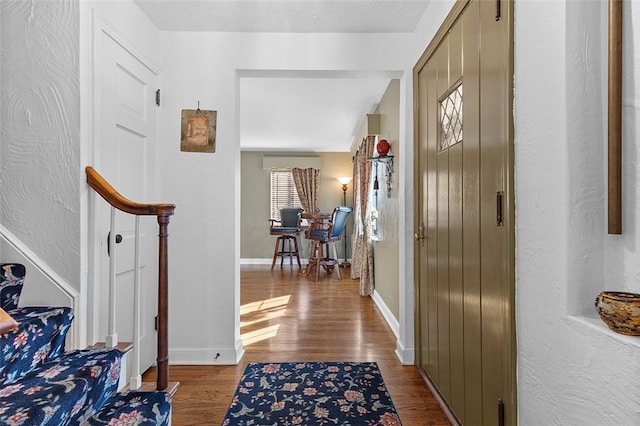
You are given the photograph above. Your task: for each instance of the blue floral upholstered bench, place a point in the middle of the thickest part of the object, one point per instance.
(42, 384)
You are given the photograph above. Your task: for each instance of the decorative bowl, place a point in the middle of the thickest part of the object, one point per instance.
(620, 311)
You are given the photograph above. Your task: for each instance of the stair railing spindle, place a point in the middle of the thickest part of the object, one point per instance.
(136, 378)
(111, 341)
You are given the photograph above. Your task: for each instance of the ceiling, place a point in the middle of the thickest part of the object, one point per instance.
(302, 111)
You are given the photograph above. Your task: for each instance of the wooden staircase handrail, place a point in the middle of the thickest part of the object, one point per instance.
(163, 211)
(113, 197)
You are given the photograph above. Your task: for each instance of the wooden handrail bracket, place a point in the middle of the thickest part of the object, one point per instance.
(113, 197)
(614, 145)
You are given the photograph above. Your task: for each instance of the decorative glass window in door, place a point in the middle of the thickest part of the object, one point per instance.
(451, 117)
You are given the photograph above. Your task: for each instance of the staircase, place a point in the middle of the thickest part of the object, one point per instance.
(41, 384)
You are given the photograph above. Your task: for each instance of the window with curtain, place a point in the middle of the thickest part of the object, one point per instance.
(283, 192)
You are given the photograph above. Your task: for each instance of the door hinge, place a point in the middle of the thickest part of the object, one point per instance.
(498, 10)
(155, 322)
(158, 97)
(499, 195)
(500, 412)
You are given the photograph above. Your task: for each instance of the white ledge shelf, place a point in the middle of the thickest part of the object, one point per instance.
(596, 324)
(387, 161)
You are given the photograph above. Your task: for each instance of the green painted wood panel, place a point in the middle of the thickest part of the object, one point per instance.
(495, 104)
(471, 219)
(465, 311)
(455, 233)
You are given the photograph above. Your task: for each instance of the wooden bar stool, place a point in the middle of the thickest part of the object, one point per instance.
(287, 234)
(324, 240)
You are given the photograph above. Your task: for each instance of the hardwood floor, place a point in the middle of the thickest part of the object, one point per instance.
(287, 317)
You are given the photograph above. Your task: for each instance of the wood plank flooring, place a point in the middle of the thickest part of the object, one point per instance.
(285, 316)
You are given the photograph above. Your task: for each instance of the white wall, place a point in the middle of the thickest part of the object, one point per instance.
(571, 368)
(204, 251)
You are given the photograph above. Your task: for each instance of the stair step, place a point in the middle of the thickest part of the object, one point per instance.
(123, 347)
(151, 387)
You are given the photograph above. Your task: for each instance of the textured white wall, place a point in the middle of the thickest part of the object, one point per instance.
(40, 132)
(571, 368)
(623, 259)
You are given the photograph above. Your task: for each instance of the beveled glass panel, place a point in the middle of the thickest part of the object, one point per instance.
(451, 118)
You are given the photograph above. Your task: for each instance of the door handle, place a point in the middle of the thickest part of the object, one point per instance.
(420, 235)
(118, 241)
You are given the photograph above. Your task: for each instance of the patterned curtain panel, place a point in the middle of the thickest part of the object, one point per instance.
(361, 243)
(307, 183)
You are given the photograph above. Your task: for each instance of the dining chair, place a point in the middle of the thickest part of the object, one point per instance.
(324, 239)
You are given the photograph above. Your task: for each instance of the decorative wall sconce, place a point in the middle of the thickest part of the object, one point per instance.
(386, 160)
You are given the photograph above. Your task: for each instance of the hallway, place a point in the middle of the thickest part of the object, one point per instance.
(287, 317)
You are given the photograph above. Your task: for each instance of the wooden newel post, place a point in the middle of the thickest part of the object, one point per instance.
(163, 303)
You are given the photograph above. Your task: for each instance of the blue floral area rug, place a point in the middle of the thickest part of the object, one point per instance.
(312, 393)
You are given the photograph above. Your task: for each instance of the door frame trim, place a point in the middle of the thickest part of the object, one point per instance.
(100, 25)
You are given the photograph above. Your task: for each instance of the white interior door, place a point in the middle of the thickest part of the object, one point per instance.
(125, 157)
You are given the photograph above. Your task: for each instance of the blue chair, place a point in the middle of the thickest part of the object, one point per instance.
(324, 238)
(287, 233)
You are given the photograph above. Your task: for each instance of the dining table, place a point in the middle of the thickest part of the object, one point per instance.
(314, 221)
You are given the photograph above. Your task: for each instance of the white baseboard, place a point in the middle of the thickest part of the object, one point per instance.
(386, 313)
(256, 261)
(207, 356)
(406, 356)
(43, 287)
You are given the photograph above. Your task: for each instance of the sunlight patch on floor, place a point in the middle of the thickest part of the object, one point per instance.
(265, 316)
(262, 305)
(259, 335)
(259, 311)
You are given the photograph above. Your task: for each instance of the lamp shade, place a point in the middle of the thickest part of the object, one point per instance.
(344, 179)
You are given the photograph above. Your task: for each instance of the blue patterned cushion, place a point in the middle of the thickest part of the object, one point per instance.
(11, 282)
(39, 337)
(134, 408)
(62, 391)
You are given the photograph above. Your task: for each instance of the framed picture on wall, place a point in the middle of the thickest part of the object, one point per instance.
(198, 130)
